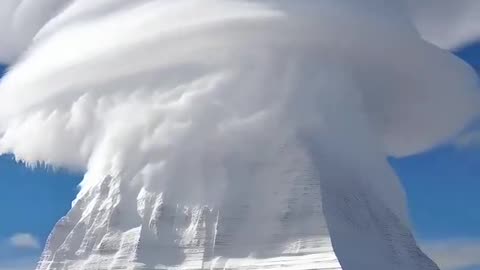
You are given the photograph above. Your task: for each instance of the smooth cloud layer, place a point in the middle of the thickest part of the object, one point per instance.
(448, 24)
(445, 23)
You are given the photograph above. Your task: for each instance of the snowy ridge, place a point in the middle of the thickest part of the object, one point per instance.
(105, 230)
(174, 237)
(160, 234)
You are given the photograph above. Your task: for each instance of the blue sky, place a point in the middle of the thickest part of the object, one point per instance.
(442, 187)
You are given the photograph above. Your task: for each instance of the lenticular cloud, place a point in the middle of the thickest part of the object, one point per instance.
(199, 97)
(121, 80)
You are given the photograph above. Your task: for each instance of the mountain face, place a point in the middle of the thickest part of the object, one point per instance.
(230, 134)
(99, 234)
(284, 216)
(272, 220)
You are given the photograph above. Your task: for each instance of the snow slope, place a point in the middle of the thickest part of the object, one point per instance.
(229, 134)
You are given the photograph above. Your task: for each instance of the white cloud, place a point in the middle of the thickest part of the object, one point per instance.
(446, 23)
(217, 87)
(24, 240)
(471, 139)
(454, 254)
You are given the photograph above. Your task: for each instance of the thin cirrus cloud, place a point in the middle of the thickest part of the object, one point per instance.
(24, 241)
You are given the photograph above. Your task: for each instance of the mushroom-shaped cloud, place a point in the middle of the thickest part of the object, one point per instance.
(208, 99)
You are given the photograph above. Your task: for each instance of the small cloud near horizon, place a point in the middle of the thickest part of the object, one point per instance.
(455, 254)
(24, 241)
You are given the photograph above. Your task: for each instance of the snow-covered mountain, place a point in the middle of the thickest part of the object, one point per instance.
(276, 219)
(231, 134)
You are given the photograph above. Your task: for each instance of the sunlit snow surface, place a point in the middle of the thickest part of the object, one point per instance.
(230, 134)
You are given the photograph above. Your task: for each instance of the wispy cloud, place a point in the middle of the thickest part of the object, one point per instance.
(454, 254)
(24, 240)
(471, 139)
